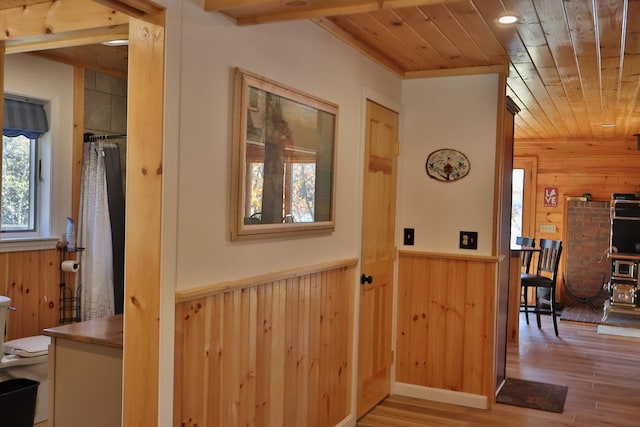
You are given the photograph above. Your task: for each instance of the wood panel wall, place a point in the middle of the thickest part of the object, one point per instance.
(271, 351)
(580, 166)
(446, 322)
(32, 280)
(575, 167)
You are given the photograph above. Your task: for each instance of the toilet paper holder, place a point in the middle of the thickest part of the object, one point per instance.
(70, 266)
(69, 305)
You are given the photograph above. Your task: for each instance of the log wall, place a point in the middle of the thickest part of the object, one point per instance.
(600, 168)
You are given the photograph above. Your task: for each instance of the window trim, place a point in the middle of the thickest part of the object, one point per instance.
(28, 244)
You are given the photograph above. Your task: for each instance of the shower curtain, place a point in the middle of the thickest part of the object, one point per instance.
(94, 284)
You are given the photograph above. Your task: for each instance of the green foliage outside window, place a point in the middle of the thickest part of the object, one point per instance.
(18, 184)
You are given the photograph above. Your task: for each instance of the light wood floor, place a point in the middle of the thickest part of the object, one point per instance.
(602, 372)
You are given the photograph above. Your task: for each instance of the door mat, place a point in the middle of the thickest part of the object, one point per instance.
(533, 395)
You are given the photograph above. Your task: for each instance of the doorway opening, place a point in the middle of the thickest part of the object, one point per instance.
(523, 197)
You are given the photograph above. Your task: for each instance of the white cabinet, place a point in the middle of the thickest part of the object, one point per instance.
(85, 370)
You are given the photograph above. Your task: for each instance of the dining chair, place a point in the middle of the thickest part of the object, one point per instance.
(525, 266)
(526, 256)
(544, 281)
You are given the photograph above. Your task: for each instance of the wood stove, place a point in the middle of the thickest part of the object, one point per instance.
(624, 252)
(624, 282)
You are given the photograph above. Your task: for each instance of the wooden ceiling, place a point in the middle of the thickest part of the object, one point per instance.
(72, 31)
(54, 30)
(573, 65)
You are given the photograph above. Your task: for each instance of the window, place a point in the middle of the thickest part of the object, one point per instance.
(19, 184)
(517, 193)
(523, 197)
(24, 123)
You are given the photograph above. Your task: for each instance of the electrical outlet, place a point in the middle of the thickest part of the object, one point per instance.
(468, 240)
(547, 228)
(408, 236)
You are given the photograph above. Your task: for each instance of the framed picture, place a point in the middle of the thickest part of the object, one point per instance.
(283, 173)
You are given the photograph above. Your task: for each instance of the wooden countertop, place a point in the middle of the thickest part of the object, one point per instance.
(107, 331)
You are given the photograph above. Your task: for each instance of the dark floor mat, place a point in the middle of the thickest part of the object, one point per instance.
(534, 395)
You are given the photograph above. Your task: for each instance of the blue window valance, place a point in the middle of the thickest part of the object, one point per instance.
(24, 118)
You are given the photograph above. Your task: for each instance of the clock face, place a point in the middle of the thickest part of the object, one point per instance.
(447, 165)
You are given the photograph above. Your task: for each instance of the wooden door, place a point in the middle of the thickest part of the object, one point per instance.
(377, 257)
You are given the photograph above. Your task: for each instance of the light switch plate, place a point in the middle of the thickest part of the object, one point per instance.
(547, 228)
(468, 240)
(409, 234)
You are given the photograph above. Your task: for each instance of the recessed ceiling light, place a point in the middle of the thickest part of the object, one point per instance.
(119, 42)
(508, 19)
(608, 125)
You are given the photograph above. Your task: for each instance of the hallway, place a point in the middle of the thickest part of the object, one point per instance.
(602, 373)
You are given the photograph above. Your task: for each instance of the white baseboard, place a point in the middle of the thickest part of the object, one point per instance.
(440, 395)
(350, 421)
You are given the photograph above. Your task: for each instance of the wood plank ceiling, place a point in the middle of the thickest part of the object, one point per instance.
(73, 31)
(574, 65)
(53, 30)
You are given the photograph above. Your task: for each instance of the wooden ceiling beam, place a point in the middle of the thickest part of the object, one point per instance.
(143, 9)
(366, 5)
(251, 12)
(56, 18)
(211, 5)
(463, 71)
(69, 39)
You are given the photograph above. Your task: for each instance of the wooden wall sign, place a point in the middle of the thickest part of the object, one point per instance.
(551, 197)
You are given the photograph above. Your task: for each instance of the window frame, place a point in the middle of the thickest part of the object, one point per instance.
(40, 236)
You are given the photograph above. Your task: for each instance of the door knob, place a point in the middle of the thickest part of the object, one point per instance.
(365, 279)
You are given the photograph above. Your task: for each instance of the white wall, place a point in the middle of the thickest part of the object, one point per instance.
(448, 112)
(300, 55)
(42, 79)
(203, 49)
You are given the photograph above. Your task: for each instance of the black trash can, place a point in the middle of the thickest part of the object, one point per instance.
(18, 402)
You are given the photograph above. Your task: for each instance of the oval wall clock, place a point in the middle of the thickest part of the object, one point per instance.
(447, 165)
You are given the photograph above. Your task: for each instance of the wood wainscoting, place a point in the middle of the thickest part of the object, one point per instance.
(273, 350)
(446, 327)
(32, 280)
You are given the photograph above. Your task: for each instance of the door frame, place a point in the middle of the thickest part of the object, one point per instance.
(141, 373)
